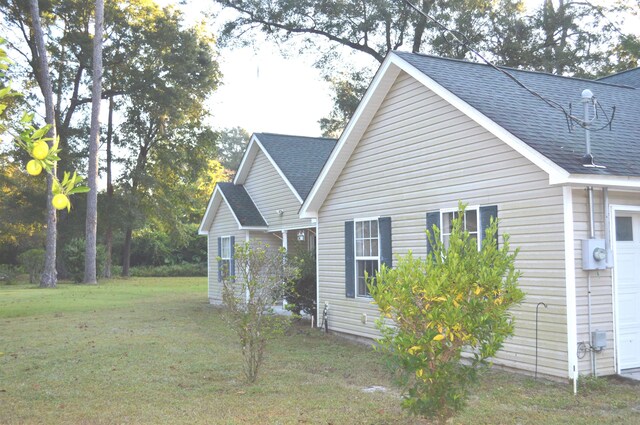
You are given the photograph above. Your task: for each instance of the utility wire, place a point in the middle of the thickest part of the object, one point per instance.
(464, 41)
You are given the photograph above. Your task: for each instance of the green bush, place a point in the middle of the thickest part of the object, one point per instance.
(455, 301)
(73, 257)
(8, 273)
(301, 292)
(32, 262)
(174, 270)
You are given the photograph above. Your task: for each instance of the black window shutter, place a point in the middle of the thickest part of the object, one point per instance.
(219, 262)
(384, 231)
(349, 261)
(433, 219)
(232, 253)
(486, 213)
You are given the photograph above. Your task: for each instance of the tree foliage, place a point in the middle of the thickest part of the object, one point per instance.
(249, 297)
(567, 37)
(444, 316)
(231, 146)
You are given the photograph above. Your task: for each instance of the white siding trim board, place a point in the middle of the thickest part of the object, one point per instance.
(570, 276)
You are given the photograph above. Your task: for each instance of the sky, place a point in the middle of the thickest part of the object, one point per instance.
(263, 91)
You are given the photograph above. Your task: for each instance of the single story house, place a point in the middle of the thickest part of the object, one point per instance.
(431, 132)
(273, 180)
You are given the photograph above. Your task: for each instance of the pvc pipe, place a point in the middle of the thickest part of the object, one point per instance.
(607, 226)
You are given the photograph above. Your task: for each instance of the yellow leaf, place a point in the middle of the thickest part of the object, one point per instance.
(478, 290)
(419, 372)
(438, 337)
(413, 349)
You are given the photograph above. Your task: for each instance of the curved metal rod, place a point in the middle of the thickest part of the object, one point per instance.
(537, 307)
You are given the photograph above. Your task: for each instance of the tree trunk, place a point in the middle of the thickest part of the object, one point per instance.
(91, 223)
(109, 234)
(49, 278)
(126, 251)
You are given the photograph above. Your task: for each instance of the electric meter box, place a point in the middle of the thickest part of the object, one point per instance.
(594, 255)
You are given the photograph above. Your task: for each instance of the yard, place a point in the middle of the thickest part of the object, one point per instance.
(149, 351)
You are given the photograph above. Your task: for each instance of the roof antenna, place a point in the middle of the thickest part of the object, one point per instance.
(588, 102)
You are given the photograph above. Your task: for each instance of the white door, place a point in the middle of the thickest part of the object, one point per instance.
(628, 288)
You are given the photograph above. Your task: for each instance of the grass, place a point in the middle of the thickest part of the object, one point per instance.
(151, 350)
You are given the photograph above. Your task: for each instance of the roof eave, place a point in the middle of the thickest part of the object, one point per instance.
(622, 182)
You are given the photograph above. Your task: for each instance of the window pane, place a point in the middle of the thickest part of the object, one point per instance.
(367, 247)
(471, 222)
(624, 229)
(360, 248)
(445, 241)
(447, 222)
(367, 229)
(359, 230)
(374, 247)
(367, 268)
(374, 229)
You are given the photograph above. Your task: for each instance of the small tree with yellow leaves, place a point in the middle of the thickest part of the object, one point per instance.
(444, 317)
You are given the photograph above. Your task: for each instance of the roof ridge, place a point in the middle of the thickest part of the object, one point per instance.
(266, 133)
(528, 71)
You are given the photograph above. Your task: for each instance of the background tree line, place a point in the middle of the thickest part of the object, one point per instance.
(160, 163)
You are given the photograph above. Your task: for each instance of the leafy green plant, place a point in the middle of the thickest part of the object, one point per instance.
(32, 262)
(433, 310)
(301, 294)
(8, 273)
(73, 257)
(249, 297)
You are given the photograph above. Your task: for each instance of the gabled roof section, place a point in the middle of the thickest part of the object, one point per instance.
(242, 207)
(297, 159)
(523, 121)
(630, 77)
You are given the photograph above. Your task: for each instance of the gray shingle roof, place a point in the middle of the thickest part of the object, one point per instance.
(630, 77)
(539, 125)
(242, 205)
(300, 158)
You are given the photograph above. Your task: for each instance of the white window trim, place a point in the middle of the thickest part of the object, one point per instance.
(222, 257)
(479, 230)
(356, 257)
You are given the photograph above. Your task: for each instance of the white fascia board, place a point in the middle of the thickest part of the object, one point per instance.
(212, 207)
(247, 161)
(570, 284)
(598, 181)
(368, 106)
(286, 180)
(544, 163)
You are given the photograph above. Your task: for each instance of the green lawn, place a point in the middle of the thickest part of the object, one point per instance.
(152, 351)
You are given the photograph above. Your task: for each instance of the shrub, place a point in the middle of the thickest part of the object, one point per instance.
(175, 270)
(249, 298)
(73, 256)
(32, 262)
(301, 294)
(8, 273)
(455, 301)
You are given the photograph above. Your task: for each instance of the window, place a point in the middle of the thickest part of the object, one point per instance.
(624, 229)
(367, 254)
(470, 224)
(225, 255)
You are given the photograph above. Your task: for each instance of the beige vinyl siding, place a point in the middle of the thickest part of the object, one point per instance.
(602, 316)
(420, 154)
(270, 193)
(223, 224)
